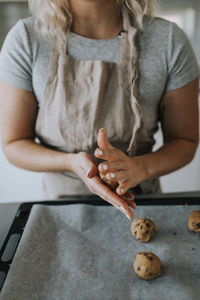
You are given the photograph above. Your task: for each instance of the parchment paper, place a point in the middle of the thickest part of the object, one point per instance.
(86, 252)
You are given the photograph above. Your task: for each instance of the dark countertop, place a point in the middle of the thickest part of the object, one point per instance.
(7, 214)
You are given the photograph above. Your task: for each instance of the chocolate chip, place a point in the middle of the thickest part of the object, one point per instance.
(147, 231)
(150, 274)
(138, 268)
(198, 225)
(150, 258)
(141, 226)
(147, 270)
(145, 254)
(148, 225)
(135, 232)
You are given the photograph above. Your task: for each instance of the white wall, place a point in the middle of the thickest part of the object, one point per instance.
(17, 185)
(186, 178)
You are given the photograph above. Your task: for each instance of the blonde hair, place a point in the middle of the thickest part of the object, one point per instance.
(54, 15)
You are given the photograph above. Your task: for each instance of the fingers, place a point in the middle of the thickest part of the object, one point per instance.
(122, 188)
(109, 154)
(130, 203)
(105, 193)
(87, 170)
(87, 164)
(129, 198)
(92, 171)
(113, 173)
(116, 165)
(117, 176)
(112, 166)
(102, 140)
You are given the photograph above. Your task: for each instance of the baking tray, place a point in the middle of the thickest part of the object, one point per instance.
(14, 235)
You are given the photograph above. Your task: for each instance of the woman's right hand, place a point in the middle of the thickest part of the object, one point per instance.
(83, 165)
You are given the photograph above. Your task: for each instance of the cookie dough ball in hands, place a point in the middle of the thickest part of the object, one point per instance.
(112, 184)
(147, 265)
(143, 229)
(194, 221)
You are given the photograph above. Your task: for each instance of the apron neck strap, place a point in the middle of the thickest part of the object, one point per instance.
(126, 20)
(126, 26)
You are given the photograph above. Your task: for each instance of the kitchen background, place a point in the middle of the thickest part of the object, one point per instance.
(20, 185)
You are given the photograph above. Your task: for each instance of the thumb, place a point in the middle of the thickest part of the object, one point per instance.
(102, 140)
(90, 167)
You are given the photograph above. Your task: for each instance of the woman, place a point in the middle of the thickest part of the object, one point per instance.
(80, 65)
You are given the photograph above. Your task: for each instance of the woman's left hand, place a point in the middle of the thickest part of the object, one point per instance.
(127, 171)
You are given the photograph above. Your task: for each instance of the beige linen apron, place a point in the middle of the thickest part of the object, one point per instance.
(81, 97)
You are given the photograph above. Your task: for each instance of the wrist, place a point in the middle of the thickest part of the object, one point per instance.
(141, 166)
(68, 163)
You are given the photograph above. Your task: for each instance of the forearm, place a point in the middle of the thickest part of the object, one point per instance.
(170, 157)
(31, 156)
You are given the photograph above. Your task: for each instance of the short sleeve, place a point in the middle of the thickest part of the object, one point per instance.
(16, 58)
(182, 63)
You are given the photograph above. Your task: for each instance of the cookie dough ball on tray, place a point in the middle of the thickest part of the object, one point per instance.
(194, 221)
(143, 229)
(147, 265)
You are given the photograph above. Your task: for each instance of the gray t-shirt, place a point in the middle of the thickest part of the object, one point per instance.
(165, 60)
